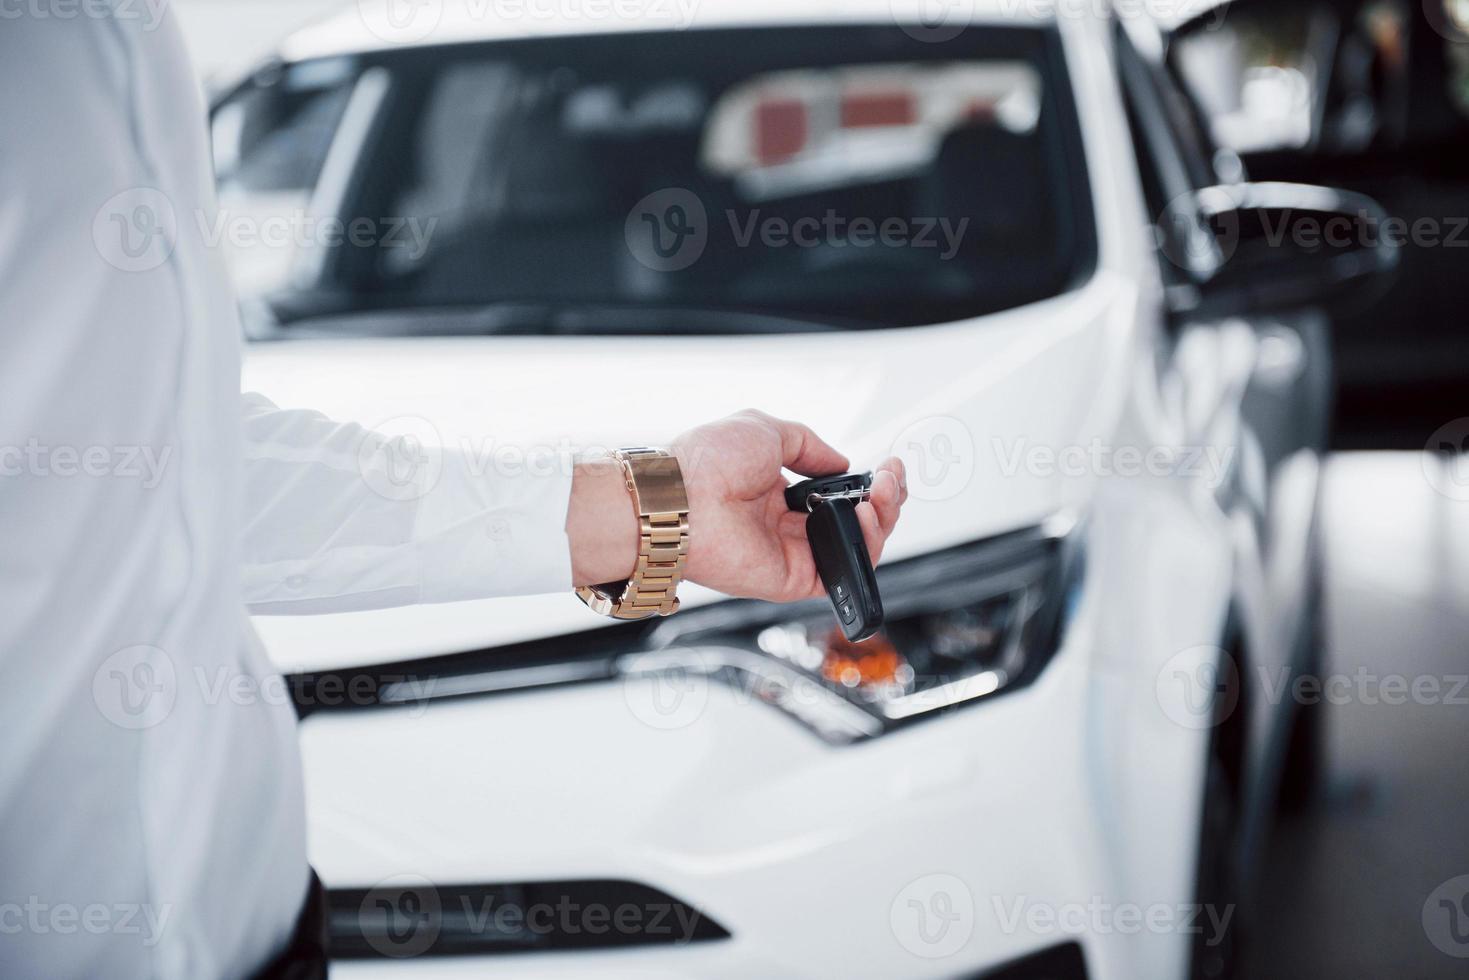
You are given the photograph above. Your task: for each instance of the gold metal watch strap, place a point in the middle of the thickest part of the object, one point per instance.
(656, 484)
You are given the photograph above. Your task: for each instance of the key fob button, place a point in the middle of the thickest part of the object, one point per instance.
(848, 611)
(839, 592)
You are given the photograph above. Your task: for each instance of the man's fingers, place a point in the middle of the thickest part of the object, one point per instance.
(803, 451)
(879, 513)
(872, 531)
(894, 467)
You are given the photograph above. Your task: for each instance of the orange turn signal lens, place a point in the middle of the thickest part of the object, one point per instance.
(873, 662)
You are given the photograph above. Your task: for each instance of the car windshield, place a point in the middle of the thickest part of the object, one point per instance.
(703, 181)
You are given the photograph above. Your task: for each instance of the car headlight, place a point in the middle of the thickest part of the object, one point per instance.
(964, 624)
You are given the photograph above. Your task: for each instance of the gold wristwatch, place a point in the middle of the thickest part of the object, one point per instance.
(656, 484)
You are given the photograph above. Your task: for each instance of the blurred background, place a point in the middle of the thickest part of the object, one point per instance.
(1372, 97)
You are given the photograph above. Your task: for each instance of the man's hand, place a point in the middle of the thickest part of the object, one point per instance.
(742, 539)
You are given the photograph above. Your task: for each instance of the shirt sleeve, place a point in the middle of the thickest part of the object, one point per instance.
(339, 518)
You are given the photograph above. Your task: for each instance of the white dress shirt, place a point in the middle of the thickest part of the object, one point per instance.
(151, 813)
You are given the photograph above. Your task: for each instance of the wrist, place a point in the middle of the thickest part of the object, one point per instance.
(601, 524)
(688, 460)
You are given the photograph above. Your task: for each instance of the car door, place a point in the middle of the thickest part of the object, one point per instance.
(1254, 387)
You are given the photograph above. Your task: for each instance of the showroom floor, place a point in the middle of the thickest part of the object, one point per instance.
(1349, 878)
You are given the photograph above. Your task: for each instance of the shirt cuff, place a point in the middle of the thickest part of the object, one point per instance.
(484, 532)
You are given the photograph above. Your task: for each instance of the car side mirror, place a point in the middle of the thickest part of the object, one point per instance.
(1270, 247)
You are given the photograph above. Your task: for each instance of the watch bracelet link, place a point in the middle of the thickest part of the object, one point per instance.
(656, 483)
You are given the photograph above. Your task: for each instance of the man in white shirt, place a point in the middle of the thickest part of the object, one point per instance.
(139, 521)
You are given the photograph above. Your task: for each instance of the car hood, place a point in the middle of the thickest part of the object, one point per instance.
(962, 403)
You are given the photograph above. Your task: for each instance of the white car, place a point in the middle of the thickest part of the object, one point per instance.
(991, 245)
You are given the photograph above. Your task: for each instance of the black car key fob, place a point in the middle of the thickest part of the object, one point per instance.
(839, 549)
